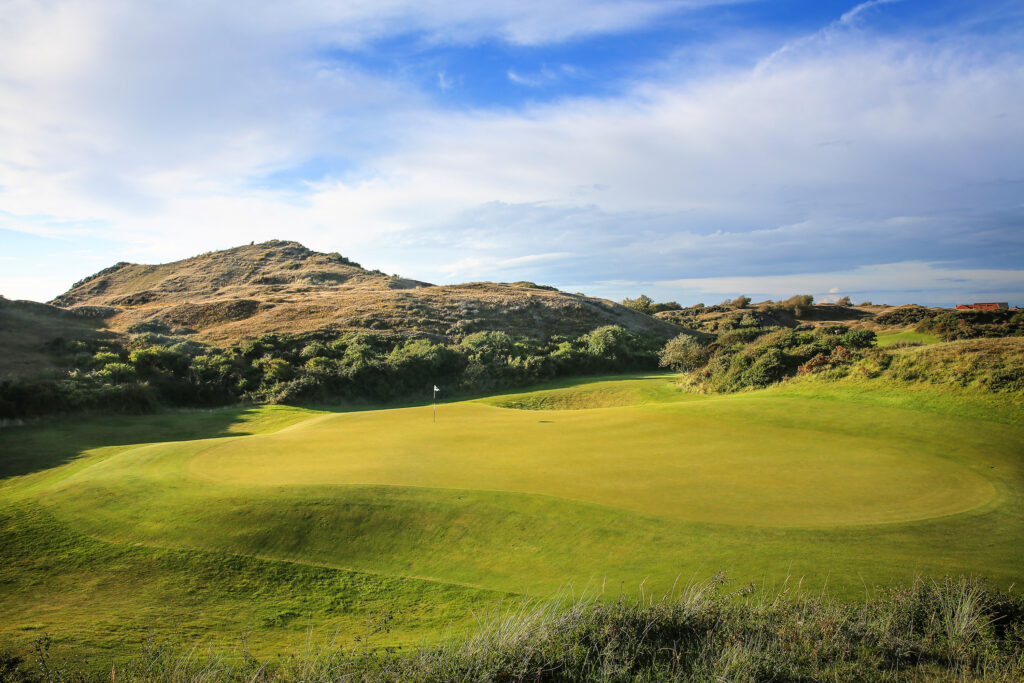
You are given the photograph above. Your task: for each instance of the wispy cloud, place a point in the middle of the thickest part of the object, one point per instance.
(546, 76)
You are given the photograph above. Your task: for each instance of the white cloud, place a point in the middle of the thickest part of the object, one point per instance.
(932, 282)
(151, 124)
(15, 288)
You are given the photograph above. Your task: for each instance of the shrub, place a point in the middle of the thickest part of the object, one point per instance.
(796, 305)
(276, 370)
(683, 354)
(858, 339)
(116, 373)
(769, 367)
(740, 302)
(101, 358)
(904, 315)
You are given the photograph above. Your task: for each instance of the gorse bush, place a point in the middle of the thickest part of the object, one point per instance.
(953, 325)
(683, 354)
(756, 357)
(796, 305)
(955, 628)
(973, 324)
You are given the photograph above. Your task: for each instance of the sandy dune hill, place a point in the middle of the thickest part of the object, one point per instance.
(284, 287)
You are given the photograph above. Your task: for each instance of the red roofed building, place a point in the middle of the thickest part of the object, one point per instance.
(964, 307)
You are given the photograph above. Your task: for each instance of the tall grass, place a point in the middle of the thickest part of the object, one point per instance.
(953, 629)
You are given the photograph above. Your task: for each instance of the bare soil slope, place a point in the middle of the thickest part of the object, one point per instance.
(284, 287)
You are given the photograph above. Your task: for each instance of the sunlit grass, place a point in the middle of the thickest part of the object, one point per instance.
(277, 519)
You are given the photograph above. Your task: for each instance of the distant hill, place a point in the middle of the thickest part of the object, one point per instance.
(28, 330)
(283, 287)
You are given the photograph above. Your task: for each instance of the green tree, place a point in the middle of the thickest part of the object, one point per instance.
(642, 303)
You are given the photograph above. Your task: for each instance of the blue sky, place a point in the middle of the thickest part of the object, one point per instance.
(692, 149)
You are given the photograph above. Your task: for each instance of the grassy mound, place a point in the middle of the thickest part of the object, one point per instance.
(612, 393)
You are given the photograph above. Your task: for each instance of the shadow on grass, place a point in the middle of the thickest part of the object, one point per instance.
(453, 396)
(57, 441)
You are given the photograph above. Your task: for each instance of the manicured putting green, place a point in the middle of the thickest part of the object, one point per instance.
(710, 461)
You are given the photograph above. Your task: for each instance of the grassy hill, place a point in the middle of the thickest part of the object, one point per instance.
(28, 329)
(285, 288)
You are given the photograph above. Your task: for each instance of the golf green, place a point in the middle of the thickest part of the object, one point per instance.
(623, 482)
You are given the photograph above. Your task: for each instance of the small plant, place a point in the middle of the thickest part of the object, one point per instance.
(740, 302)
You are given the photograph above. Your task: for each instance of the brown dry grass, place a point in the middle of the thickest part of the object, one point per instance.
(28, 328)
(282, 287)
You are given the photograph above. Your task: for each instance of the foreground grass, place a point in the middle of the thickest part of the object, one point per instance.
(102, 600)
(957, 629)
(274, 520)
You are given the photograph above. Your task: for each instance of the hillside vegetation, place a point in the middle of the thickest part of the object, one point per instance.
(29, 331)
(284, 288)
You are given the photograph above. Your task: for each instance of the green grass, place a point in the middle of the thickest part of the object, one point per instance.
(267, 519)
(888, 338)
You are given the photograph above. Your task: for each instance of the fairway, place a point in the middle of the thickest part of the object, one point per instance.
(615, 482)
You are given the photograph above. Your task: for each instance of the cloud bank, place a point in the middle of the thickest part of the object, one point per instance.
(167, 131)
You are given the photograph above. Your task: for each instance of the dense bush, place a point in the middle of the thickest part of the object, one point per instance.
(683, 354)
(646, 304)
(973, 324)
(796, 305)
(904, 315)
(152, 370)
(756, 357)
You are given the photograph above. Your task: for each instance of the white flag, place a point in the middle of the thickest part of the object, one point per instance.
(435, 388)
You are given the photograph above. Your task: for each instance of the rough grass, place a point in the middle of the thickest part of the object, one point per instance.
(986, 364)
(956, 629)
(26, 330)
(851, 485)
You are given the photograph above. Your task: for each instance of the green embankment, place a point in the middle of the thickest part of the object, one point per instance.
(278, 520)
